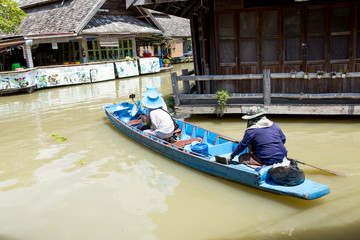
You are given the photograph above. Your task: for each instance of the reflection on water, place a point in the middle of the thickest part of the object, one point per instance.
(99, 184)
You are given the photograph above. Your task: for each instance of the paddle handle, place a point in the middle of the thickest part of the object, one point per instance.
(322, 169)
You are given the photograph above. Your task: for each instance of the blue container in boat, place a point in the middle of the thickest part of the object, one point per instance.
(200, 148)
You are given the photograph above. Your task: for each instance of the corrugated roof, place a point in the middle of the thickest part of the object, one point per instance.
(118, 24)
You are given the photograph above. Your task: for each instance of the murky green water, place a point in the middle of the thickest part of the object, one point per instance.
(99, 184)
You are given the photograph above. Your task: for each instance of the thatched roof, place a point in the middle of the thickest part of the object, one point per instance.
(63, 17)
(72, 16)
(101, 24)
(68, 16)
(173, 26)
(30, 3)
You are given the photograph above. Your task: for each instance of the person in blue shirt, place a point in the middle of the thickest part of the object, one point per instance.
(264, 139)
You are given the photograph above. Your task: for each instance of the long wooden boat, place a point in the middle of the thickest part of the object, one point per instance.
(29, 90)
(125, 117)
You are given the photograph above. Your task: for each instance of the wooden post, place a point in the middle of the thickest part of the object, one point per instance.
(186, 85)
(175, 87)
(267, 87)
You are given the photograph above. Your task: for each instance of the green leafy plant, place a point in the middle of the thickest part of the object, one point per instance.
(11, 17)
(61, 139)
(307, 75)
(222, 97)
(344, 73)
(170, 102)
(320, 74)
(166, 60)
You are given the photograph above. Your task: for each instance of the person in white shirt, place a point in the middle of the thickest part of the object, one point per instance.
(162, 125)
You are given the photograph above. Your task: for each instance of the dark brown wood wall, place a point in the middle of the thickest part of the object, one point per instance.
(309, 38)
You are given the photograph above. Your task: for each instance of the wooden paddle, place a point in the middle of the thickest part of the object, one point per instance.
(298, 161)
(322, 169)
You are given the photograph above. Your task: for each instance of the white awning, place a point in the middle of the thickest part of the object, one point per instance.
(109, 42)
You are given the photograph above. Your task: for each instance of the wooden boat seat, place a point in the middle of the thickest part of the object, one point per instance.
(134, 122)
(182, 143)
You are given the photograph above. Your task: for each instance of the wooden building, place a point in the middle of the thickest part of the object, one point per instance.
(244, 37)
(80, 31)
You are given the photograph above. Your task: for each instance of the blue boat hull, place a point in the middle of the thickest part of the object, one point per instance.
(240, 173)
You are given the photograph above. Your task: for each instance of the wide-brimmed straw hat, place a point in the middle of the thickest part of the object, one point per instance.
(153, 100)
(150, 90)
(254, 112)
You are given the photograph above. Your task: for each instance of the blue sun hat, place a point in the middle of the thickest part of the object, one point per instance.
(150, 90)
(153, 100)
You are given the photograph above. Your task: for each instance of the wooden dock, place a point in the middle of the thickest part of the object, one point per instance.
(302, 103)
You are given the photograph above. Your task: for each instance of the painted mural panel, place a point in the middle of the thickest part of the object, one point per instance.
(101, 72)
(49, 77)
(127, 69)
(77, 74)
(20, 79)
(149, 65)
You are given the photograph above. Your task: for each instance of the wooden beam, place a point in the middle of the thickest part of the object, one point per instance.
(317, 96)
(185, 96)
(260, 76)
(213, 96)
(186, 85)
(267, 87)
(128, 3)
(312, 75)
(175, 88)
(220, 77)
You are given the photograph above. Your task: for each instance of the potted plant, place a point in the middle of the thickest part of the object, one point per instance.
(222, 96)
(333, 74)
(306, 75)
(293, 73)
(344, 73)
(166, 62)
(320, 74)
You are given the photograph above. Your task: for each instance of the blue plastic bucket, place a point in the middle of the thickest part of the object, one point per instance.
(200, 148)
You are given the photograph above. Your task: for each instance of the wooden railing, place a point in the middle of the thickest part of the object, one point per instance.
(266, 79)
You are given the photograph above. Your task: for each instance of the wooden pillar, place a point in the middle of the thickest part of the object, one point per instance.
(175, 87)
(186, 85)
(266, 87)
(194, 24)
